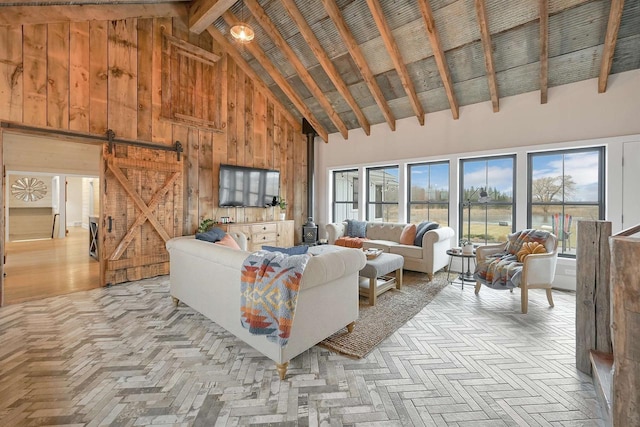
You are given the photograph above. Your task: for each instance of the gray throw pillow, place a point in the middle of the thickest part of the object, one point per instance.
(213, 235)
(356, 228)
(296, 250)
(421, 230)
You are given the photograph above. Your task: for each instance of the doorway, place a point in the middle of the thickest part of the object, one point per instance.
(47, 237)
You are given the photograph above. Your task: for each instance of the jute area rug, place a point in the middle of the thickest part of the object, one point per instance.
(392, 310)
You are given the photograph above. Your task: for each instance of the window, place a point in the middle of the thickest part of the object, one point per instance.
(487, 219)
(345, 195)
(382, 194)
(564, 187)
(428, 192)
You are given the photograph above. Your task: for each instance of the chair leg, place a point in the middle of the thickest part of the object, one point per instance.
(524, 299)
(478, 286)
(549, 297)
(282, 369)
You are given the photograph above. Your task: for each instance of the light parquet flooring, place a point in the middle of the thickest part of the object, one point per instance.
(43, 268)
(125, 356)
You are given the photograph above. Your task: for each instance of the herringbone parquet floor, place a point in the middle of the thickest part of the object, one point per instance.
(124, 356)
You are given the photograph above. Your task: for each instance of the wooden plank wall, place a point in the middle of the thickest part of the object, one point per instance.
(91, 76)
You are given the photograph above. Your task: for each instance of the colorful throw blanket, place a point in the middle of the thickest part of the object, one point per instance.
(269, 293)
(502, 270)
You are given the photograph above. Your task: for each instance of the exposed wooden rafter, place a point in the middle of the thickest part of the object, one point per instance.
(358, 57)
(438, 55)
(485, 36)
(219, 38)
(615, 15)
(544, 50)
(396, 57)
(325, 62)
(203, 13)
(265, 22)
(266, 63)
(12, 15)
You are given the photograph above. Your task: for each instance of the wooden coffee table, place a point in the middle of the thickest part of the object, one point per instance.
(375, 270)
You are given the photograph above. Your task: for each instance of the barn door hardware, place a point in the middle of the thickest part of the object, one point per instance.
(110, 224)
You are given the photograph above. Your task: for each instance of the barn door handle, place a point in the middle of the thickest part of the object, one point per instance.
(110, 220)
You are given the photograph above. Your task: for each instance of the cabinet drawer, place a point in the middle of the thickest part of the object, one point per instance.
(264, 238)
(264, 228)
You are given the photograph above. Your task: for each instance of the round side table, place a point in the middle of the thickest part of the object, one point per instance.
(462, 277)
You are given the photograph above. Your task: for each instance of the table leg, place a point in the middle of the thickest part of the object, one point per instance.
(449, 270)
(399, 278)
(372, 290)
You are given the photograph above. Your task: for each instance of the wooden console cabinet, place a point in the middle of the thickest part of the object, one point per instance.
(271, 233)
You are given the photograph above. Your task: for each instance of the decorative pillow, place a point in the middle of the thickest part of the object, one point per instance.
(350, 242)
(228, 241)
(356, 228)
(421, 229)
(529, 248)
(212, 235)
(408, 235)
(295, 250)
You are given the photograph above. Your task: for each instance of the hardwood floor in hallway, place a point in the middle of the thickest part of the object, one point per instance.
(44, 268)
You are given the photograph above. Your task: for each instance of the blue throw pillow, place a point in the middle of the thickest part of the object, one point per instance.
(296, 250)
(356, 228)
(213, 235)
(421, 229)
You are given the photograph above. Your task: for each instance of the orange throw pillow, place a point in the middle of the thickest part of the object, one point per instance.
(408, 234)
(228, 241)
(529, 248)
(350, 242)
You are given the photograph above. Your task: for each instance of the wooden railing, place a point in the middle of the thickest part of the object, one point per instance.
(628, 232)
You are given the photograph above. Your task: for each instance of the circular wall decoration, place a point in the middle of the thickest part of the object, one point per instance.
(28, 189)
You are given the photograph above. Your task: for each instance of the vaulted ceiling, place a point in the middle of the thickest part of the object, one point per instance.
(353, 63)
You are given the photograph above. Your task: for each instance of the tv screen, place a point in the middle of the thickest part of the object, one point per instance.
(248, 187)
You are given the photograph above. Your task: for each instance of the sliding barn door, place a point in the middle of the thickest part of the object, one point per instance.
(141, 208)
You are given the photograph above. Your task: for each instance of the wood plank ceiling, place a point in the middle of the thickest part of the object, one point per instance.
(349, 64)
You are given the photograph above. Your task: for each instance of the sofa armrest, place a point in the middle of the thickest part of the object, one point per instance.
(240, 238)
(335, 231)
(330, 266)
(438, 235)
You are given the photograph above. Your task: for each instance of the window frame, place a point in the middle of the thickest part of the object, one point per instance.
(462, 232)
(381, 204)
(355, 192)
(601, 150)
(427, 203)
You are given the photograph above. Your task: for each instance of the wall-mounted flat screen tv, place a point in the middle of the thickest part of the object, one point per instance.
(248, 187)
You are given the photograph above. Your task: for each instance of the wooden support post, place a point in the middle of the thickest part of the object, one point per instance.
(625, 298)
(592, 291)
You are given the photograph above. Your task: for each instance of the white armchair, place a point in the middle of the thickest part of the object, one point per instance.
(537, 270)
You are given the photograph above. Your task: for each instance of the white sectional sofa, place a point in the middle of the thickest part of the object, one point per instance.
(206, 277)
(429, 258)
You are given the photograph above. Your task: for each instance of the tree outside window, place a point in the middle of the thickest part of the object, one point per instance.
(428, 192)
(489, 219)
(382, 194)
(565, 186)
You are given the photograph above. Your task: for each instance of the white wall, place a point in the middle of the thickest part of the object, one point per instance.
(74, 201)
(576, 115)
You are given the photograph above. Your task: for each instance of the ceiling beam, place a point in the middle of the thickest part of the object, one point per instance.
(485, 36)
(17, 15)
(266, 63)
(326, 63)
(230, 50)
(544, 50)
(438, 55)
(396, 57)
(265, 22)
(358, 57)
(610, 39)
(203, 13)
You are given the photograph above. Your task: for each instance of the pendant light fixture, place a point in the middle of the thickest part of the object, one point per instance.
(241, 31)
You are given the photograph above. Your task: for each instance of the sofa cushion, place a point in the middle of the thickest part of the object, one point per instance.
(212, 235)
(407, 251)
(408, 234)
(350, 242)
(356, 228)
(421, 230)
(228, 241)
(295, 250)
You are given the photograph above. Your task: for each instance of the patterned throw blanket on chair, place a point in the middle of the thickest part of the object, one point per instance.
(269, 293)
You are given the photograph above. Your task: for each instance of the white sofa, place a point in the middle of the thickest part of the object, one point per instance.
(206, 277)
(429, 258)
